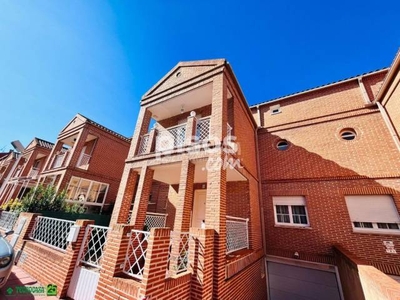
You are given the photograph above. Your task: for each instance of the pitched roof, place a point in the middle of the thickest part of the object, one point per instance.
(389, 76)
(319, 87)
(105, 128)
(178, 74)
(44, 144)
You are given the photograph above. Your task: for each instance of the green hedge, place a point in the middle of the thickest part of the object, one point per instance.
(102, 220)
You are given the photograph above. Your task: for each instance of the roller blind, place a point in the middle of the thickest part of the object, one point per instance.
(372, 208)
(289, 200)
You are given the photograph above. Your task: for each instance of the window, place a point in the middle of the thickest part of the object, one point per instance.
(348, 134)
(282, 145)
(373, 213)
(87, 191)
(290, 210)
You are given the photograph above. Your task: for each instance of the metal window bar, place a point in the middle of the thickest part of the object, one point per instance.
(7, 220)
(135, 257)
(51, 232)
(94, 242)
(237, 234)
(203, 129)
(178, 256)
(83, 160)
(170, 138)
(144, 141)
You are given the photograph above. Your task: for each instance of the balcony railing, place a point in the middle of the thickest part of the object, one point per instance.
(203, 129)
(237, 234)
(170, 138)
(178, 255)
(144, 142)
(135, 256)
(59, 160)
(34, 172)
(83, 160)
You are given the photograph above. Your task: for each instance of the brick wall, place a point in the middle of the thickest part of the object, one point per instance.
(392, 103)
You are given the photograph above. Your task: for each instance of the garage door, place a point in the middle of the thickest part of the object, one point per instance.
(299, 283)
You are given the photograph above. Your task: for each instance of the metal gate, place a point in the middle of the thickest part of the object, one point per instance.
(87, 270)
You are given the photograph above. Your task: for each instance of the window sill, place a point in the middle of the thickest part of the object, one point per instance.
(292, 226)
(379, 232)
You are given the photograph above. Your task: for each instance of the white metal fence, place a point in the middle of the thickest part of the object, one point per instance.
(152, 220)
(34, 172)
(51, 232)
(93, 245)
(144, 141)
(7, 220)
(178, 256)
(237, 234)
(136, 253)
(171, 138)
(203, 129)
(59, 160)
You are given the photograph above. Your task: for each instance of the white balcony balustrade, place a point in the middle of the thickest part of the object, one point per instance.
(84, 160)
(59, 160)
(237, 234)
(34, 172)
(135, 257)
(170, 138)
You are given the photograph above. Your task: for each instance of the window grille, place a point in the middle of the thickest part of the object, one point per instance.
(237, 234)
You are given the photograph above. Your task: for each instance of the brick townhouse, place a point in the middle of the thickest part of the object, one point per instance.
(87, 161)
(314, 175)
(24, 169)
(7, 160)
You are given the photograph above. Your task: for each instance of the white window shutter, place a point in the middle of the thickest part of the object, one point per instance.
(372, 208)
(289, 200)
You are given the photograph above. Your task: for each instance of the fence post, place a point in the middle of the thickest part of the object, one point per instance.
(30, 219)
(71, 257)
(202, 261)
(113, 258)
(155, 267)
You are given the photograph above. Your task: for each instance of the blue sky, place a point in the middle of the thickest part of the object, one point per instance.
(58, 58)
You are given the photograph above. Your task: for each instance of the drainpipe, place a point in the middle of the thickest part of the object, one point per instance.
(382, 110)
(260, 198)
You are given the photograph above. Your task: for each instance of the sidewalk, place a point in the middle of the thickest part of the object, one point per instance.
(19, 278)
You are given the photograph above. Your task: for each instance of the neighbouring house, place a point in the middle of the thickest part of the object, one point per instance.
(7, 160)
(293, 198)
(27, 166)
(87, 161)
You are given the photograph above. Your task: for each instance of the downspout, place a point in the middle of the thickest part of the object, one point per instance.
(382, 110)
(260, 198)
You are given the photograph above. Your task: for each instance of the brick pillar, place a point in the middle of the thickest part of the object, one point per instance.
(185, 197)
(142, 198)
(216, 219)
(71, 256)
(124, 200)
(216, 182)
(201, 260)
(191, 127)
(26, 230)
(142, 126)
(113, 258)
(155, 267)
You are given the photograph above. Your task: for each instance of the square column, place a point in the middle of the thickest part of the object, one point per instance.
(142, 198)
(124, 200)
(185, 197)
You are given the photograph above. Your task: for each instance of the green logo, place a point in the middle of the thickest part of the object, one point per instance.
(9, 291)
(51, 290)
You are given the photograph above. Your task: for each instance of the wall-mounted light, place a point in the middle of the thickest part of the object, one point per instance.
(182, 109)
